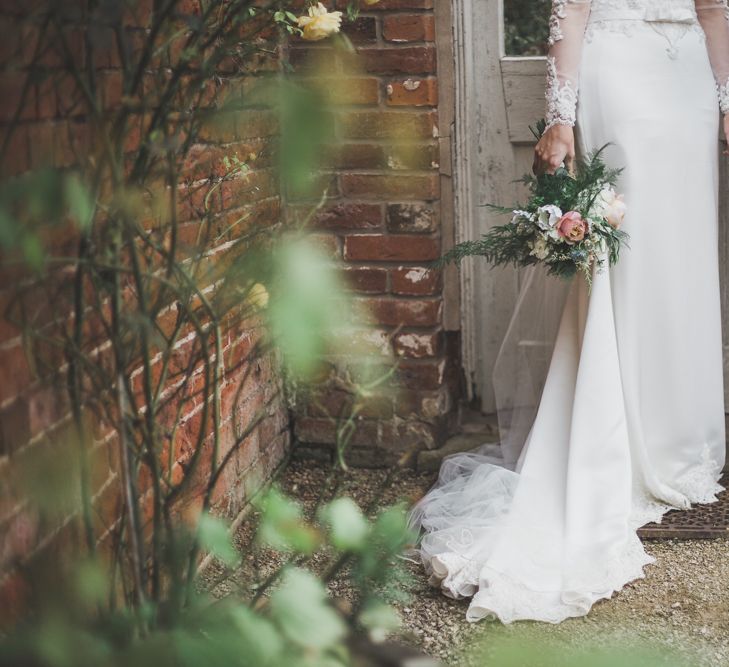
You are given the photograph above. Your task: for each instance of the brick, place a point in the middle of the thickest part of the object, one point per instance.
(393, 125)
(46, 406)
(422, 405)
(350, 91)
(415, 281)
(357, 156)
(409, 28)
(411, 218)
(413, 92)
(111, 88)
(416, 345)
(17, 158)
(384, 5)
(14, 427)
(71, 143)
(310, 429)
(370, 280)
(403, 312)
(335, 404)
(12, 85)
(421, 373)
(411, 436)
(390, 187)
(318, 185)
(46, 100)
(328, 244)
(255, 123)
(312, 60)
(402, 60)
(41, 138)
(390, 248)
(362, 30)
(252, 187)
(345, 215)
(413, 156)
(15, 372)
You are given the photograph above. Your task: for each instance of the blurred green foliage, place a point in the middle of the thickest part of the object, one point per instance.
(526, 27)
(287, 621)
(524, 649)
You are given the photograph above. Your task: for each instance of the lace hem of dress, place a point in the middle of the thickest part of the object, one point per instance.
(498, 596)
(561, 98)
(724, 97)
(495, 595)
(697, 487)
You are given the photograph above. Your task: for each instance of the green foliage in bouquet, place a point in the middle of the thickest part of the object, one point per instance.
(570, 223)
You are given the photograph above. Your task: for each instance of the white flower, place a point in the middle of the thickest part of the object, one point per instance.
(521, 216)
(320, 23)
(548, 216)
(610, 205)
(540, 248)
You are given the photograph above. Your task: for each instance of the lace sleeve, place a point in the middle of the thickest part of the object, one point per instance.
(714, 18)
(566, 33)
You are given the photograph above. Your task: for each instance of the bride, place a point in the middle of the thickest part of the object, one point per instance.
(629, 421)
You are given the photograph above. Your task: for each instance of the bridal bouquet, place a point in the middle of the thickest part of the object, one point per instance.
(571, 223)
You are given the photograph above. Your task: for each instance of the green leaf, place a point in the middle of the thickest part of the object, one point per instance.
(282, 526)
(379, 619)
(391, 530)
(213, 536)
(304, 312)
(259, 636)
(33, 251)
(80, 203)
(301, 610)
(348, 528)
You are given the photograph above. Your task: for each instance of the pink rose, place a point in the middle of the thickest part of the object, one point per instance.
(572, 227)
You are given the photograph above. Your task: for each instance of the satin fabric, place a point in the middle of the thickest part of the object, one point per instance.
(631, 418)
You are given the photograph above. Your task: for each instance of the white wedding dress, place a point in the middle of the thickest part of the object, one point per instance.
(629, 421)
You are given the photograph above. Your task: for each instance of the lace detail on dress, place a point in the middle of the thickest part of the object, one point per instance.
(673, 32)
(555, 27)
(698, 486)
(497, 595)
(457, 544)
(724, 97)
(561, 98)
(672, 19)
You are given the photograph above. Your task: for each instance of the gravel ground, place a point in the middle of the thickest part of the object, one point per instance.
(682, 604)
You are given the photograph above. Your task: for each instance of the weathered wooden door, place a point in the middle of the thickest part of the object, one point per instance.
(499, 95)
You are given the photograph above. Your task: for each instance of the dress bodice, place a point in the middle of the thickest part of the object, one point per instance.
(574, 21)
(665, 10)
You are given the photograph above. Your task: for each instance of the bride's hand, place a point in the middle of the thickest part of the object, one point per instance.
(726, 133)
(556, 146)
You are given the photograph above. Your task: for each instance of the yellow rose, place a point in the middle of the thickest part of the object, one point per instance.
(257, 296)
(320, 23)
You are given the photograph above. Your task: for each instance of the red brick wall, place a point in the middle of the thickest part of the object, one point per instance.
(34, 410)
(383, 220)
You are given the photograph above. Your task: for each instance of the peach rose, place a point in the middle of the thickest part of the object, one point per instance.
(571, 227)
